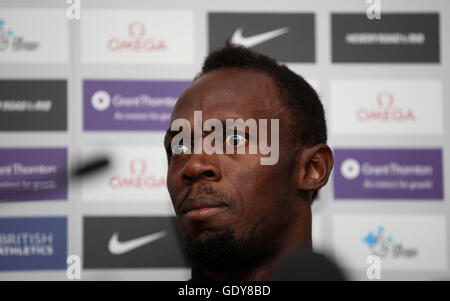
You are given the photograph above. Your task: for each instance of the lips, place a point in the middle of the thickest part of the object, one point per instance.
(202, 207)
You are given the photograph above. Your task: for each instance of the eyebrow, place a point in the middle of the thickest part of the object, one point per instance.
(223, 122)
(171, 133)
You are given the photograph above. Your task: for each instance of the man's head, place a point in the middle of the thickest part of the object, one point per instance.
(253, 211)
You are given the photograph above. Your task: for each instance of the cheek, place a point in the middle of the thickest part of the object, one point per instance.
(172, 183)
(262, 190)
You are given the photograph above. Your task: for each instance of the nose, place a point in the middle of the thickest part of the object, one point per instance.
(198, 167)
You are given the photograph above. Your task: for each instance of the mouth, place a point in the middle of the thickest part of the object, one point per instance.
(199, 208)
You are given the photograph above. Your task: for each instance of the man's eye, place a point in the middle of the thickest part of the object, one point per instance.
(180, 149)
(235, 140)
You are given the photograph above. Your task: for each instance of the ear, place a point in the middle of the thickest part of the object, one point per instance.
(315, 165)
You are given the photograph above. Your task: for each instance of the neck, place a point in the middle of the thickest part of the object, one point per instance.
(260, 273)
(266, 271)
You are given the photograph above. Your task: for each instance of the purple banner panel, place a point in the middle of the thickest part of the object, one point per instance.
(32, 174)
(388, 174)
(129, 105)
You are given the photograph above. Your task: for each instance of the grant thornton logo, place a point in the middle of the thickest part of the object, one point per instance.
(350, 169)
(101, 100)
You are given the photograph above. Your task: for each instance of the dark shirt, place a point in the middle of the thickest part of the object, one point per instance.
(198, 275)
(302, 265)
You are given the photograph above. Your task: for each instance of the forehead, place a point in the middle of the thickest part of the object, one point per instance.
(230, 93)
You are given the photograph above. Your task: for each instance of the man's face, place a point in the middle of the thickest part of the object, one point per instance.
(231, 201)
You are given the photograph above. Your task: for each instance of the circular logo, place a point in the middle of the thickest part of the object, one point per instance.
(136, 29)
(138, 166)
(385, 100)
(100, 100)
(350, 169)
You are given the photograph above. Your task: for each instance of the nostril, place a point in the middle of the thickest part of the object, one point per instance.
(208, 174)
(196, 170)
(186, 177)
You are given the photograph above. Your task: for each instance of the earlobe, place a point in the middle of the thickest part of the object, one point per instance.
(316, 163)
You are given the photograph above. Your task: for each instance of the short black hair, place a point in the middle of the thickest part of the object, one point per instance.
(307, 110)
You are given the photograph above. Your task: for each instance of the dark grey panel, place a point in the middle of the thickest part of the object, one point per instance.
(33, 105)
(295, 45)
(165, 252)
(396, 38)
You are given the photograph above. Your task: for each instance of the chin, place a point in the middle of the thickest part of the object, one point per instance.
(207, 234)
(206, 229)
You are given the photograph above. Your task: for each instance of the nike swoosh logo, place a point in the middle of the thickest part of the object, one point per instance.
(117, 247)
(254, 40)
